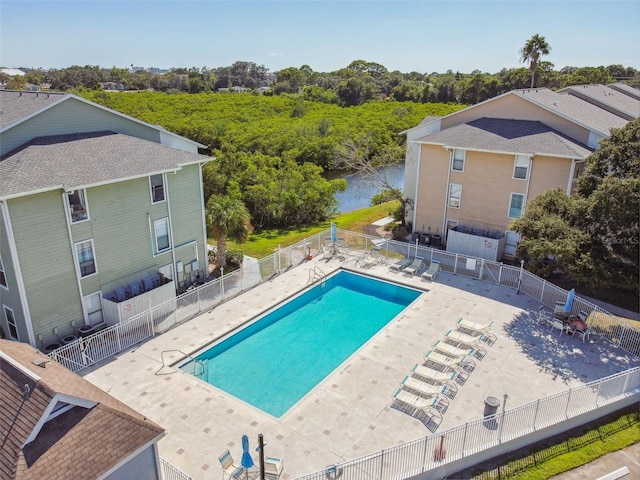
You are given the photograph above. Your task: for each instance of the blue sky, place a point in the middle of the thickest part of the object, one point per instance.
(423, 36)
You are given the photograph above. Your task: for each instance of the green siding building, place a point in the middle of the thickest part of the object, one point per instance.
(96, 208)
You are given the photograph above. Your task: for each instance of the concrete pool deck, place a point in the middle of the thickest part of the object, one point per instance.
(349, 414)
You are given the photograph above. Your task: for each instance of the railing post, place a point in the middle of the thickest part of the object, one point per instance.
(381, 465)
(481, 268)
(544, 284)
(535, 415)
(500, 274)
(455, 265)
(118, 337)
(566, 408)
(464, 438)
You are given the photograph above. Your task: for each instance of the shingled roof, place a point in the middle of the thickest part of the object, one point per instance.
(95, 433)
(20, 105)
(81, 160)
(523, 137)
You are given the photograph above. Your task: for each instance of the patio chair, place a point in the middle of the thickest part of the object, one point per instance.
(447, 362)
(415, 405)
(432, 272)
(475, 328)
(584, 334)
(422, 389)
(399, 265)
(433, 376)
(463, 338)
(452, 351)
(544, 316)
(273, 468)
(414, 267)
(558, 325)
(228, 466)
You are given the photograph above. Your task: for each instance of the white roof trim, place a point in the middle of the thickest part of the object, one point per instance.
(67, 96)
(529, 154)
(6, 358)
(49, 412)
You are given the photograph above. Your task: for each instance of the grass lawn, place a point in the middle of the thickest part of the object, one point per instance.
(266, 242)
(567, 451)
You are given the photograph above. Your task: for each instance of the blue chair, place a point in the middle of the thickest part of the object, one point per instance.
(111, 296)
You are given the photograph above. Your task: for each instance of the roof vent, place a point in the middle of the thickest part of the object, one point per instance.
(555, 103)
(40, 363)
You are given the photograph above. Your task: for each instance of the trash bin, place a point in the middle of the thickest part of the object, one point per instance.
(435, 241)
(491, 405)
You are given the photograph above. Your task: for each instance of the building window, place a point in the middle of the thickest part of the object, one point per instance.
(455, 195)
(77, 206)
(521, 169)
(516, 205)
(11, 323)
(161, 227)
(93, 307)
(157, 188)
(85, 257)
(3, 276)
(458, 160)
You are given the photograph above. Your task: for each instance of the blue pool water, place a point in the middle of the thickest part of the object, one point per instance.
(279, 358)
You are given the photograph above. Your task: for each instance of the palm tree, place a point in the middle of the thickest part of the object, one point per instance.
(533, 49)
(227, 217)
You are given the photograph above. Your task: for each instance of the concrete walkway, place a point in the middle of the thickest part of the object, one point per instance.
(348, 415)
(627, 457)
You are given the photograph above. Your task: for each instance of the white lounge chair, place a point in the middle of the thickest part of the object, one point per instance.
(415, 405)
(422, 389)
(451, 350)
(432, 272)
(399, 265)
(464, 338)
(414, 267)
(476, 328)
(446, 361)
(228, 466)
(273, 467)
(559, 325)
(433, 376)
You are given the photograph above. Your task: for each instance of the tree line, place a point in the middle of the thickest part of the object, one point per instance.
(357, 83)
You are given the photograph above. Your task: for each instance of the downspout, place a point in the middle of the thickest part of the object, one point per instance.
(173, 247)
(526, 192)
(572, 172)
(415, 190)
(204, 224)
(16, 267)
(85, 315)
(446, 197)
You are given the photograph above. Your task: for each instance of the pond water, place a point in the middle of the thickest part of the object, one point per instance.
(361, 188)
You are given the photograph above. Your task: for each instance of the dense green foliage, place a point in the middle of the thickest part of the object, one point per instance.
(592, 235)
(358, 83)
(271, 151)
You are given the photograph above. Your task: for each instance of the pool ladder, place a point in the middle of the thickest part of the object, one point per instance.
(317, 275)
(195, 363)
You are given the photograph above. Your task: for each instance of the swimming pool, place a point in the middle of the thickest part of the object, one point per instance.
(276, 360)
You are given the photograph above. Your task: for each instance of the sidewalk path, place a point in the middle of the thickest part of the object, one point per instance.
(627, 457)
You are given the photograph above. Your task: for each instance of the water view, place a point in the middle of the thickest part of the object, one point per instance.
(361, 188)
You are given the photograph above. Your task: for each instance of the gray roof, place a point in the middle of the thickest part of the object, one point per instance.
(626, 89)
(609, 97)
(80, 160)
(577, 110)
(523, 137)
(18, 105)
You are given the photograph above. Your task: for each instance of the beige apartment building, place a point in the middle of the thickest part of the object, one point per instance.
(470, 174)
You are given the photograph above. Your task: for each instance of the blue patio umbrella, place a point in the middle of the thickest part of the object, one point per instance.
(569, 304)
(334, 232)
(247, 461)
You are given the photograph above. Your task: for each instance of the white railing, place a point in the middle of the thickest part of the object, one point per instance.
(171, 472)
(103, 344)
(433, 451)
